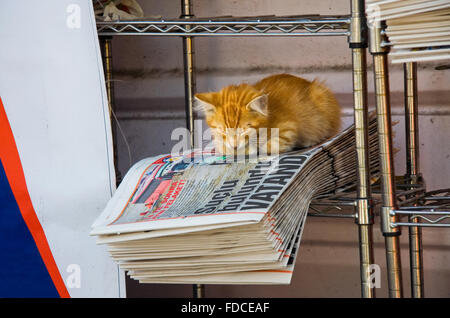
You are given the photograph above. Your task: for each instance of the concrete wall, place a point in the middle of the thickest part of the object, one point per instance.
(149, 93)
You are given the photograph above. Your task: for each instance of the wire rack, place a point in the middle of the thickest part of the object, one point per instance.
(398, 201)
(432, 210)
(232, 26)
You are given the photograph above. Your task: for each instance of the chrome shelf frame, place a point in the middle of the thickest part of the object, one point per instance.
(337, 205)
(353, 27)
(422, 209)
(432, 210)
(231, 26)
(398, 200)
(434, 215)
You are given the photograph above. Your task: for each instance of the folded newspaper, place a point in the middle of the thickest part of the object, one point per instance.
(417, 30)
(201, 219)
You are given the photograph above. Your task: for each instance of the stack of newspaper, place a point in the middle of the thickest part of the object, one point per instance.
(417, 30)
(198, 218)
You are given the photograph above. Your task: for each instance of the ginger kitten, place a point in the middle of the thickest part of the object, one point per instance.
(305, 113)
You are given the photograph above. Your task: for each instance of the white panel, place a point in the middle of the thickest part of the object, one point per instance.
(53, 90)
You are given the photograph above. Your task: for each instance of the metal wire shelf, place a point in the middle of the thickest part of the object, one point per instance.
(412, 200)
(343, 203)
(335, 207)
(316, 25)
(433, 211)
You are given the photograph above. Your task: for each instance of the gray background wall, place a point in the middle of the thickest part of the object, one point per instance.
(149, 92)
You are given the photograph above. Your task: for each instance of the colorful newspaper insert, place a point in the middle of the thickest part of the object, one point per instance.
(199, 189)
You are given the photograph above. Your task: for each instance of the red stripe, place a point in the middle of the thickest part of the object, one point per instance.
(14, 172)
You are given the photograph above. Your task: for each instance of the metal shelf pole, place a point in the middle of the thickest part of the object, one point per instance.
(354, 27)
(189, 91)
(413, 174)
(389, 203)
(358, 44)
(106, 51)
(189, 67)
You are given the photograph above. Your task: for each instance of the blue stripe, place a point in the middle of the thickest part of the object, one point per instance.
(22, 270)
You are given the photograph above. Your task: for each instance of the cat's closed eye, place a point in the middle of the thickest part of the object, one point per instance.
(303, 113)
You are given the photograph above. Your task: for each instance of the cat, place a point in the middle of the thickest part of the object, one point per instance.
(305, 113)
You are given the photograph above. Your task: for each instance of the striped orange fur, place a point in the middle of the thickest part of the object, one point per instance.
(305, 113)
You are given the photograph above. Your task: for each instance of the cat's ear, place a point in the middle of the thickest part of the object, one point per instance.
(204, 102)
(259, 104)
